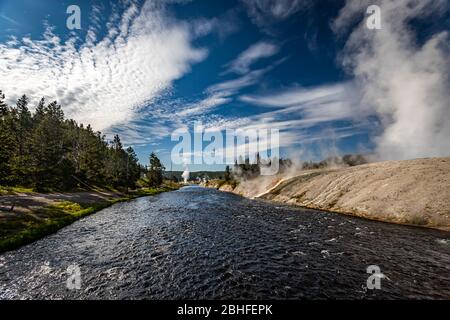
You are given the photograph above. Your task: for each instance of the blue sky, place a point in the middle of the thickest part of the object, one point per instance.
(308, 68)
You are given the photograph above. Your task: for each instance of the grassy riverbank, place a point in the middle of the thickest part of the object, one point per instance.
(18, 228)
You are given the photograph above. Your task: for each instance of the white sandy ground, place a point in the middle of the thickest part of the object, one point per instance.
(414, 192)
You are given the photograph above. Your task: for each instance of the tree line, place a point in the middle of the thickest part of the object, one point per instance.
(346, 160)
(243, 169)
(45, 151)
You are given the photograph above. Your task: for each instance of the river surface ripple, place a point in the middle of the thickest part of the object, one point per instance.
(198, 243)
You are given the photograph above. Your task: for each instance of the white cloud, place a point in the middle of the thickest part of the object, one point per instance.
(167, 113)
(105, 82)
(313, 105)
(223, 25)
(406, 82)
(295, 111)
(219, 94)
(299, 95)
(293, 135)
(254, 53)
(205, 105)
(230, 87)
(234, 85)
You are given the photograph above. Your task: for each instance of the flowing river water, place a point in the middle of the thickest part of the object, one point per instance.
(198, 243)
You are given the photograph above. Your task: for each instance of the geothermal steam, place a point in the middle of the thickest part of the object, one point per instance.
(405, 80)
(185, 175)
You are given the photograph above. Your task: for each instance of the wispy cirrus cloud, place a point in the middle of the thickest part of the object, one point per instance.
(313, 105)
(255, 52)
(223, 25)
(226, 91)
(299, 95)
(106, 81)
(205, 105)
(304, 115)
(233, 85)
(9, 19)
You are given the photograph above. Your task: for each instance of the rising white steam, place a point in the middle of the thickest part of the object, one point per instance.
(186, 175)
(405, 78)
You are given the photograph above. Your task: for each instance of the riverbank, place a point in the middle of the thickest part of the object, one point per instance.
(411, 192)
(27, 216)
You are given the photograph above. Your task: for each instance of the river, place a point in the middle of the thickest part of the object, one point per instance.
(198, 243)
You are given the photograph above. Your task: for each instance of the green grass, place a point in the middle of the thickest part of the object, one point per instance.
(26, 228)
(68, 207)
(22, 229)
(11, 190)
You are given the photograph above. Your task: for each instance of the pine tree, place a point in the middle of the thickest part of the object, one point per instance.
(95, 152)
(51, 169)
(117, 163)
(22, 156)
(133, 168)
(6, 140)
(46, 151)
(3, 105)
(227, 173)
(155, 172)
(39, 112)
